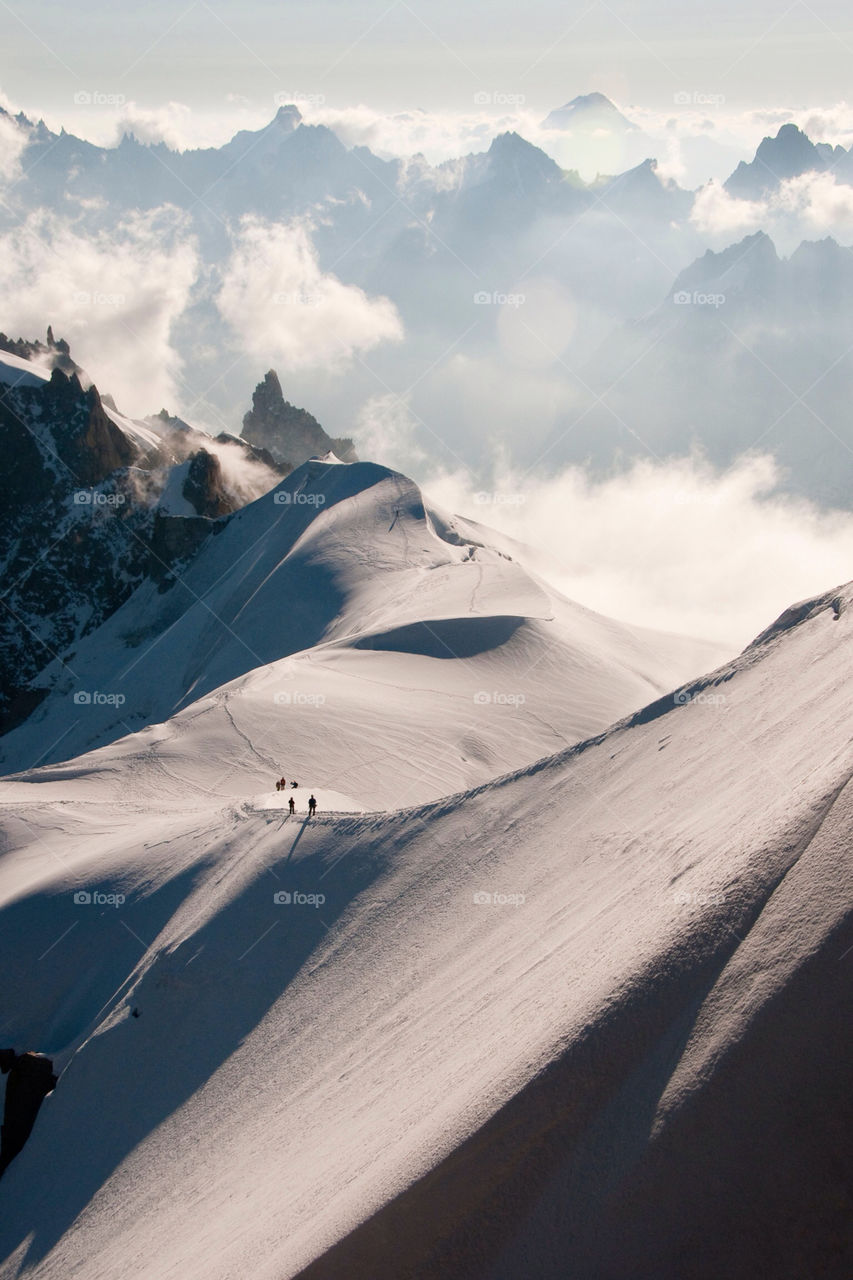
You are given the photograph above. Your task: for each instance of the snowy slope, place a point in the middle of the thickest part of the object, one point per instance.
(17, 372)
(342, 627)
(566, 1060)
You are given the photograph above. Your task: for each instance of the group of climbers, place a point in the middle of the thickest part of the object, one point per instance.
(281, 785)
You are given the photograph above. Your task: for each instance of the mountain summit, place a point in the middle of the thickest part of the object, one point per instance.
(291, 435)
(587, 112)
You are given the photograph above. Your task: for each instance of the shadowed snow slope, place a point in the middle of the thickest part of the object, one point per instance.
(584, 1020)
(339, 628)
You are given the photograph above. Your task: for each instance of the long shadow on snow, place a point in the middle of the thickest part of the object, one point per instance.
(196, 1005)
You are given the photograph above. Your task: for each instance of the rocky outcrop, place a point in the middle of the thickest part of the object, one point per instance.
(89, 511)
(56, 352)
(31, 1079)
(256, 452)
(78, 525)
(203, 487)
(289, 434)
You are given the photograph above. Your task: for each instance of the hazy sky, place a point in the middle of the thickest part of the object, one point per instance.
(436, 55)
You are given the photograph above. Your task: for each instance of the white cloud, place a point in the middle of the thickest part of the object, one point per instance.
(284, 310)
(114, 295)
(720, 216)
(12, 143)
(674, 546)
(812, 204)
(819, 202)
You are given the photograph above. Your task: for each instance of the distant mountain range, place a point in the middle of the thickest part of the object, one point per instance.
(523, 293)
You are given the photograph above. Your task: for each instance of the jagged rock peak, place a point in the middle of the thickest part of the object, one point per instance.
(289, 433)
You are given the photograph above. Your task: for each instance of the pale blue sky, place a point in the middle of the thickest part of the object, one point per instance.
(397, 54)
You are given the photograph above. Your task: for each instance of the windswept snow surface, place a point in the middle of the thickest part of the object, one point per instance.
(590, 1019)
(17, 372)
(341, 628)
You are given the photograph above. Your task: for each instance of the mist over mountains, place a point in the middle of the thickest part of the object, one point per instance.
(425, 629)
(449, 303)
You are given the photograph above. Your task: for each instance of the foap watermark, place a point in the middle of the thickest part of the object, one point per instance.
(483, 298)
(97, 298)
(297, 298)
(284, 898)
(95, 898)
(700, 898)
(483, 899)
(289, 98)
(684, 298)
(97, 98)
(284, 499)
(286, 699)
(94, 498)
(497, 699)
(483, 499)
(685, 698)
(498, 98)
(695, 98)
(88, 698)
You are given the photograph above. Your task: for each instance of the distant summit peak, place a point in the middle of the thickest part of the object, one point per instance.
(288, 117)
(587, 112)
(585, 100)
(788, 155)
(289, 434)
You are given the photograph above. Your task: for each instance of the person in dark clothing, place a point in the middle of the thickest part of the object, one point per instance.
(294, 784)
(278, 786)
(282, 786)
(31, 1079)
(312, 806)
(291, 804)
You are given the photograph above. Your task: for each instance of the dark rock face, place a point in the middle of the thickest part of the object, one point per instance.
(256, 453)
(204, 488)
(56, 351)
(88, 442)
(31, 1079)
(289, 434)
(79, 529)
(82, 525)
(174, 540)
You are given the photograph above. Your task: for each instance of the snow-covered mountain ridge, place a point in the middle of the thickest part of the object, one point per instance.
(498, 1053)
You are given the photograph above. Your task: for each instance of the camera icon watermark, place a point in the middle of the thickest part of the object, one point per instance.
(685, 698)
(86, 698)
(498, 699)
(97, 298)
(697, 99)
(684, 298)
(285, 698)
(297, 298)
(283, 898)
(499, 499)
(95, 98)
(283, 498)
(483, 298)
(686, 898)
(290, 97)
(94, 498)
(85, 898)
(498, 98)
(483, 899)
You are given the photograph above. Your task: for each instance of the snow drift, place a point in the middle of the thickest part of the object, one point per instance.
(587, 1018)
(341, 626)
